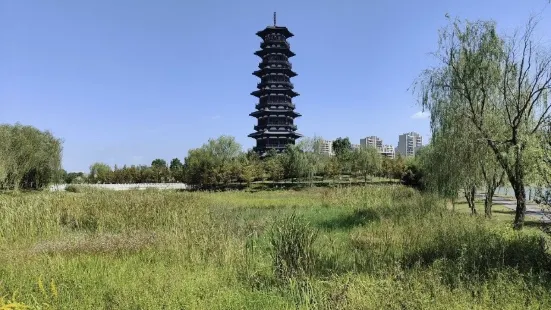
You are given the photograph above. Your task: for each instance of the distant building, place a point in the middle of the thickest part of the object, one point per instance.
(327, 147)
(387, 151)
(355, 146)
(409, 143)
(372, 141)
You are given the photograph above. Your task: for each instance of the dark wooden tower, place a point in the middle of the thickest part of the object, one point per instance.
(275, 111)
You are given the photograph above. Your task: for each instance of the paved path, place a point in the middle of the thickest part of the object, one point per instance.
(532, 208)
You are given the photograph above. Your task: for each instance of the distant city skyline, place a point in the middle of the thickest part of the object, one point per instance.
(403, 148)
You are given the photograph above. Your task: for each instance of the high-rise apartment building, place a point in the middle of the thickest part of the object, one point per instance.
(387, 150)
(372, 141)
(327, 147)
(409, 143)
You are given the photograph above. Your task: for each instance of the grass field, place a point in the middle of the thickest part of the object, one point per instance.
(373, 247)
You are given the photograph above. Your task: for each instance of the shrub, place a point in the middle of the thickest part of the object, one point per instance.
(413, 176)
(73, 189)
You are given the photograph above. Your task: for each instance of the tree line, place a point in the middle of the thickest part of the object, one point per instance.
(222, 161)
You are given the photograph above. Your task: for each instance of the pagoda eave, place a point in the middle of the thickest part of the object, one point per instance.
(275, 112)
(275, 29)
(287, 71)
(269, 134)
(264, 52)
(260, 92)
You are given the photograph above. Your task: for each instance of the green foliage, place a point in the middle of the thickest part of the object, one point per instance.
(273, 166)
(367, 161)
(100, 173)
(494, 87)
(158, 164)
(342, 146)
(73, 189)
(312, 159)
(393, 168)
(160, 170)
(177, 170)
(74, 178)
(295, 162)
(413, 175)
(29, 158)
(212, 164)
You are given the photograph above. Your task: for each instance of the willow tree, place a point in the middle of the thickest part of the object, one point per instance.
(29, 158)
(499, 84)
(314, 159)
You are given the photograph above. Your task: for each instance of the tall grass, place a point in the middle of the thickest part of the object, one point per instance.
(373, 247)
(292, 243)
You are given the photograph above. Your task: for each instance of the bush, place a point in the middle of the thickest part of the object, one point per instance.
(413, 176)
(73, 189)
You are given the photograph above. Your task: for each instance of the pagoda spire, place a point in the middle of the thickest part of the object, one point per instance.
(274, 19)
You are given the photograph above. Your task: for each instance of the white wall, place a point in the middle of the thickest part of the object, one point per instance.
(122, 187)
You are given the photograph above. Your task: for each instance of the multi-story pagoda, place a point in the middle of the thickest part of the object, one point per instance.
(275, 111)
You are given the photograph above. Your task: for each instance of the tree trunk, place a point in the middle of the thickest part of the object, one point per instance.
(520, 195)
(470, 196)
(491, 188)
(453, 204)
(488, 201)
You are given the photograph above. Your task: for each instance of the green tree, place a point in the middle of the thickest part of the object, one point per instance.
(368, 161)
(100, 173)
(273, 166)
(398, 167)
(248, 167)
(342, 146)
(488, 78)
(29, 158)
(177, 169)
(158, 163)
(313, 159)
(332, 168)
(212, 164)
(160, 169)
(294, 162)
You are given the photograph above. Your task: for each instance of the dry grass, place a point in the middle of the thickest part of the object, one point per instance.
(104, 243)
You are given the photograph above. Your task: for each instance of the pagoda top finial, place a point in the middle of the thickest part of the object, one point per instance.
(274, 19)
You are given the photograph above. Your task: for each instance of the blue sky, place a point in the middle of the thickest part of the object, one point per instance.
(125, 82)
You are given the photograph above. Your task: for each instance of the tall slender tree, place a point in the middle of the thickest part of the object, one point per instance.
(487, 78)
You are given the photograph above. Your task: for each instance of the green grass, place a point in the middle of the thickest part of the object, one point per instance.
(500, 214)
(372, 247)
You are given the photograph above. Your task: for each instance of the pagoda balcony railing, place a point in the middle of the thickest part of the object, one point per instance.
(286, 85)
(275, 57)
(275, 44)
(283, 63)
(287, 126)
(275, 79)
(285, 104)
(275, 37)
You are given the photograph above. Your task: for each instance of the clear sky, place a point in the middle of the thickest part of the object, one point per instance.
(128, 81)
